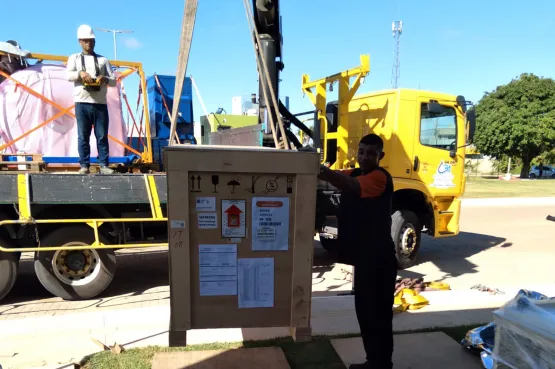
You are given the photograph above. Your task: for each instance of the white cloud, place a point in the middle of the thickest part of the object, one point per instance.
(131, 43)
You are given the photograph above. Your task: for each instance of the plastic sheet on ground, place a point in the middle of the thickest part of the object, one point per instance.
(522, 335)
(21, 111)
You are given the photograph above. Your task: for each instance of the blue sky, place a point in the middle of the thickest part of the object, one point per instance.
(454, 47)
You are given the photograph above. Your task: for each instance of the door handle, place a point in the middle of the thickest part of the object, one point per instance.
(416, 162)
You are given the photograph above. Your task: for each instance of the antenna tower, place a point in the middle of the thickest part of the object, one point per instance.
(397, 28)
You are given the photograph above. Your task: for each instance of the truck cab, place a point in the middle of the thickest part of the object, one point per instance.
(425, 134)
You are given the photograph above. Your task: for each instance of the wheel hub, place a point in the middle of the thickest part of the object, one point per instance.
(75, 267)
(408, 241)
(76, 261)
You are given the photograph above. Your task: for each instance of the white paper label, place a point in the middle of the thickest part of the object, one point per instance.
(206, 204)
(218, 270)
(256, 282)
(207, 220)
(233, 218)
(177, 224)
(270, 223)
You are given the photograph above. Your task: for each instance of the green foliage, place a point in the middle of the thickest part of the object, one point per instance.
(500, 164)
(517, 120)
(547, 158)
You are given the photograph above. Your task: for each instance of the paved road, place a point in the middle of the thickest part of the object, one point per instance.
(498, 246)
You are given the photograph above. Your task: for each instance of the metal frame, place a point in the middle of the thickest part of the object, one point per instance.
(25, 218)
(146, 155)
(346, 94)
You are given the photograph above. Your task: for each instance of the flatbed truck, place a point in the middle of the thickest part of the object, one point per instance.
(73, 223)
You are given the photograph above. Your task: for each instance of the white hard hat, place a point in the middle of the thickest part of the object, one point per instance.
(84, 31)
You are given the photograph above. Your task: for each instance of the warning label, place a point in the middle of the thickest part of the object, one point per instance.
(233, 218)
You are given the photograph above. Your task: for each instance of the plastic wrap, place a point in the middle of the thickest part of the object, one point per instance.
(525, 334)
(21, 111)
(515, 325)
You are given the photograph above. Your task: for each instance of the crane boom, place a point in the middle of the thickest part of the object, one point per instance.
(268, 38)
(267, 21)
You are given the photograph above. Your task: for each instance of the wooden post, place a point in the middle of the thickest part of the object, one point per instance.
(185, 41)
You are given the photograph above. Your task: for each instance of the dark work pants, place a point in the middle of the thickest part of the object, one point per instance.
(89, 116)
(374, 286)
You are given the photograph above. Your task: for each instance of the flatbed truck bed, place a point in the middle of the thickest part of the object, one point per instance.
(63, 188)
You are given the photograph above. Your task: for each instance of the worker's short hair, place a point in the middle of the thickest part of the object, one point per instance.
(372, 139)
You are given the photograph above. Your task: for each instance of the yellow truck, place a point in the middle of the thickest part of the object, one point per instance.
(425, 134)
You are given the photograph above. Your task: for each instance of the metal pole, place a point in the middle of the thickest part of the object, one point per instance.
(113, 32)
(115, 46)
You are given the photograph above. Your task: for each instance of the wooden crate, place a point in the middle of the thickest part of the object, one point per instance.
(255, 273)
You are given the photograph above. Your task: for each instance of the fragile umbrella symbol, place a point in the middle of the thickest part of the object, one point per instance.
(233, 183)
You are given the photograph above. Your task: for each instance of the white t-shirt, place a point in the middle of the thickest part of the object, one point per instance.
(74, 67)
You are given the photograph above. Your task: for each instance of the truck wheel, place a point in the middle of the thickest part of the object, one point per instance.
(406, 232)
(74, 274)
(9, 262)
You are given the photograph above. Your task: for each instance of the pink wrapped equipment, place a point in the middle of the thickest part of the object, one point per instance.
(20, 112)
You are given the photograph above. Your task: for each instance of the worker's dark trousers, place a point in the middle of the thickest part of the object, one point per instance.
(89, 115)
(374, 287)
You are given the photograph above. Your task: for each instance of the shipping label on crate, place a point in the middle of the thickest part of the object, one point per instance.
(256, 282)
(270, 223)
(233, 219)
(205, 204)
(218, 270)
(207, 220)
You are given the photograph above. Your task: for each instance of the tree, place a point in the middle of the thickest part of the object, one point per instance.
(547, 158)
(517, 120)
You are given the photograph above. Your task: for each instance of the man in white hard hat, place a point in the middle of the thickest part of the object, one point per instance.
(91, 74)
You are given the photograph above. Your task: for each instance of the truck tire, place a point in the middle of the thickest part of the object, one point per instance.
(74, 274)
(9, 262)
(406, 231)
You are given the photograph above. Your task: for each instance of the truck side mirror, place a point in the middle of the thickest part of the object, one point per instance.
(471, 119)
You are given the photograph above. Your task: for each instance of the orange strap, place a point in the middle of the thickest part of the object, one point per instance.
(59, 114)
(63, 111)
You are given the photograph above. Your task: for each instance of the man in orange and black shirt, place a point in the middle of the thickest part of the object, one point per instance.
(364, 235)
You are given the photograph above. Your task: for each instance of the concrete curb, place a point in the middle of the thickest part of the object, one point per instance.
(509, 201)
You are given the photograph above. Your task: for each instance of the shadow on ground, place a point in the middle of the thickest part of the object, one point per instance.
(450, 255)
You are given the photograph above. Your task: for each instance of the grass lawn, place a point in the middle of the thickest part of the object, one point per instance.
(484, 188)
(317, 354)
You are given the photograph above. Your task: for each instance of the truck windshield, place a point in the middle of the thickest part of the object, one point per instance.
(438, 130)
